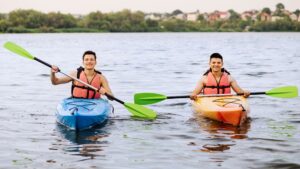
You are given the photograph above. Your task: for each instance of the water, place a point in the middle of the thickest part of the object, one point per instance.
(166, 63)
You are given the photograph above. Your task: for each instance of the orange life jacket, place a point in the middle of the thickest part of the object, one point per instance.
(213, 87)
(79, 90)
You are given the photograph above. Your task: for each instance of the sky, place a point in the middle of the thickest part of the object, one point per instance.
(161, 6)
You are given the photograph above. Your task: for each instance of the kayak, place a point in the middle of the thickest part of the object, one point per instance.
(81, 114)
(227, 109)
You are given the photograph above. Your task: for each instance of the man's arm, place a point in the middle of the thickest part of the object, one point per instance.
(198, 89)
(105, 86)
(55, 80)
(238, 89)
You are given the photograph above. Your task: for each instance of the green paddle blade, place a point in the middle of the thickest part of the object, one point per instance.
(148, 98)
(18, 50)
(140, 111)
(283, 92)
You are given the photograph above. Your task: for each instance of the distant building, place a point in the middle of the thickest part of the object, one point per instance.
(193, 16)
(276, 18)
(78, 16)
(164, 16)
(180, 16)
(224, 15)
(213, 17)
(265, 17)
(153, 16)
(252, 15)
(205, 16)
(217, 15)
(286, 12)
(293, 17)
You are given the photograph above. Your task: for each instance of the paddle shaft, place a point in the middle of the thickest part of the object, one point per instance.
(45, 63)
(214, 95)
(74, 78)
(255, 93)
(208, 95)
(177, 97)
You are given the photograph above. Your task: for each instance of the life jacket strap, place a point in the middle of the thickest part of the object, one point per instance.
(79, 71)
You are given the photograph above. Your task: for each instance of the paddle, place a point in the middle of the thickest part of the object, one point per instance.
(280, 92)
(136, 110)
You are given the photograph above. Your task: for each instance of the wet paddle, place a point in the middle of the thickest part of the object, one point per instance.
(151, 98)
(136, 110)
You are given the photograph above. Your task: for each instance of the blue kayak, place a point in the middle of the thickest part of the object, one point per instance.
(81, 114)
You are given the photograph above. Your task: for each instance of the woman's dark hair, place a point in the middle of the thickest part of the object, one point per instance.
(216, 55)
(89, 52)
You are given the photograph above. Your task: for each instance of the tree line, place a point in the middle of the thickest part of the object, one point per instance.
(32, 21)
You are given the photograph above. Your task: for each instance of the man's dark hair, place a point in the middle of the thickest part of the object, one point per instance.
(89, 52)
(216, 55)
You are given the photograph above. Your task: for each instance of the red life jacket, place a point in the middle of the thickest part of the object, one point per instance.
(79, 90)
(213, 87)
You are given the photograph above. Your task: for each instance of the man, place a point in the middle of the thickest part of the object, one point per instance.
(87, 74)
(217, 80)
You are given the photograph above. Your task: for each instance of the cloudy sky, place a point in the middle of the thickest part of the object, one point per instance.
(86, 6)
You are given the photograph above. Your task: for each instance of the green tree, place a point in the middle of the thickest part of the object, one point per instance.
(279, 25)
(279, 6)
(59, 20)
(266, 10)
(297, 12)
(176, 12)
(216, 26)
(174, 25)
(201, 18)
(234, 16)
(126, 21)
(120, 21)
(296, 26)
(2, 16)
(279, 10)
(97, 20)
(152, 25)
(4, 25)
(244, 25)
(137, 21)
(27, 18)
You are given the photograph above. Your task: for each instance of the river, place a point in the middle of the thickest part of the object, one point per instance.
(166, 63)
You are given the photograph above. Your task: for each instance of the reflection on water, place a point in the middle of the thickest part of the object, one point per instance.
(218, 130)
(216, 147)
(222, 130)
(87, 143)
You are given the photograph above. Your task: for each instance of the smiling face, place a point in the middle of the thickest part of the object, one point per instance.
(216, 64)
(89, 61)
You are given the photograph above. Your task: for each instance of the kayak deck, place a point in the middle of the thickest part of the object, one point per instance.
(81, 114)
(227, 109)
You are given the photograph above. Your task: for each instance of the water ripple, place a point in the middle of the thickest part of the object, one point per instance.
(277, 164)
(273, 150)
(44, 75)
(258, 74)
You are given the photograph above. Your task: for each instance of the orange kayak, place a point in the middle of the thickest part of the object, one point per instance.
(227, 109)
